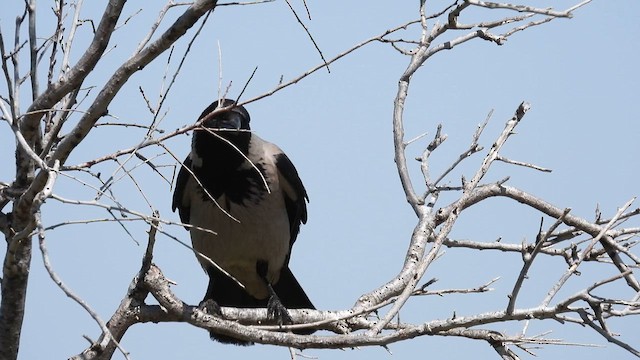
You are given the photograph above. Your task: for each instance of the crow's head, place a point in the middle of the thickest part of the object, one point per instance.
(230, 121)
(224, 127)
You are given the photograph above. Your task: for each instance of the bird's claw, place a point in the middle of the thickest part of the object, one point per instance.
(209, 306)
(277, 312)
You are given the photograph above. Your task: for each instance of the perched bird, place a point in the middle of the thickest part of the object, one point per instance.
(248, 194)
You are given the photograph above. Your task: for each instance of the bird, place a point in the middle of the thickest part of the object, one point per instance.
(243, 202)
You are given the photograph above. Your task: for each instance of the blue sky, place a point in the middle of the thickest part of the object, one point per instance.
(580, 75)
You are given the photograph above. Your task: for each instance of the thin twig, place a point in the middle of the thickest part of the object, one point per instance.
(529, 257)
(308, 33)
(246, 84)
(524, 164)
(58, 281)
(521, 8)
(571, 271)
(448, 224)
(148, 254)
(33, 50)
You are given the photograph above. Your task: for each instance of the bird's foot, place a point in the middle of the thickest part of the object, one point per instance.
(277, 312)
(209, 306)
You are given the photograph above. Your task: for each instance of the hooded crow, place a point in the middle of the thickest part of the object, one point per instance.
(244, 201)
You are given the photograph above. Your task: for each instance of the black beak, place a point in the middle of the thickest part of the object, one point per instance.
(232, 121)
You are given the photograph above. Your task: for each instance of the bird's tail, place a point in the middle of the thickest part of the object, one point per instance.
(291, 293)
(228, 293)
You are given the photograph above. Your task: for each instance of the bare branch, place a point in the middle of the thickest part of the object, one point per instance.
(245, 2)
(520, 163)
(72, 79)
(524, 8)
(572, 269)
(162, 99)
(33, 49)
(58, 281)
(529, 256)
(414, 273)
(119, 78)
(170, 4)
(473, 148)
(7, 77)
(295, 80)
(281, 86)
(589, 322)
(605, 243)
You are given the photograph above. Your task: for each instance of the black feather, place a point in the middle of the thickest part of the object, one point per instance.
(178, 194)
(296, 206)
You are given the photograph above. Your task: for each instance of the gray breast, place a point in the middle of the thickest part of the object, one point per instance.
(254, 230)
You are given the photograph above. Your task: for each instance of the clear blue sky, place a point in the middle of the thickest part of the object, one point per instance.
(580, 75)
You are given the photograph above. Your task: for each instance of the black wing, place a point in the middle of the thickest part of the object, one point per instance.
(181, 202)
(295, 196)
